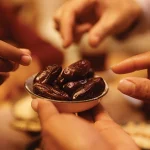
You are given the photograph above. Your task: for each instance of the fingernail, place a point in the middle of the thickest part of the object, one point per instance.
(26, 60)
(126, 86)
(34, 104)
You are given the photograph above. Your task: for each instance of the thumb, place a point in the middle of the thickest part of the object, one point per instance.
(136, 87)
(44, 108)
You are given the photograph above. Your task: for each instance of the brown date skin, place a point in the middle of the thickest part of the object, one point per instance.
(70, 87)
(48, 75)
(76, 82)
(74, 72)
(48, 91)
(93, 88)
(90, 73)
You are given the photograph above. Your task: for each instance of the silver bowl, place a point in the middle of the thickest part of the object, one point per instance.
(67, 106)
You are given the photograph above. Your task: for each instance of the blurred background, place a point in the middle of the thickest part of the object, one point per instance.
(29, 24)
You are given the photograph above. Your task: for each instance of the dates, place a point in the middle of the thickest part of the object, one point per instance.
(93, 88)
(74, 72)
(48, 91)
(48, 75)
(70, 87)
(75, 82)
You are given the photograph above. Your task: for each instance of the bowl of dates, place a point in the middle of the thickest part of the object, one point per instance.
(73, 89)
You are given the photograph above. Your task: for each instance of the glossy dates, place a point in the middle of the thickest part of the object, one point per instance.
(92, 88)
(48, 91)
(75, 82)
(71, 87)
(48, 75)
(76, 71)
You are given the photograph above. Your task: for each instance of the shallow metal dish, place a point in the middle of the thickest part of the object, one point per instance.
(67, 106)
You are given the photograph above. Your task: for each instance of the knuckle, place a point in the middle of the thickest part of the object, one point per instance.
(143, 90)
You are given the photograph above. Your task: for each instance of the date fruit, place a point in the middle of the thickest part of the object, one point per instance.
(75, 82)
(93, 88)
(74, 72)
(48, 91)
(48, 75)
(70, 87)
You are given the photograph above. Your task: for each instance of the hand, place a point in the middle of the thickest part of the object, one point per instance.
(10, 58)
(96, 129)
(26, 35)
(100, 17)
(135, 86)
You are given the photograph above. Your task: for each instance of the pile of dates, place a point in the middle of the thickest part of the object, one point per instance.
(75, 82)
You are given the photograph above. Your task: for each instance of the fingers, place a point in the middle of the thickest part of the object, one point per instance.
(65, 20)
(66, 29)
(21, 56)
(56, 126)
(134, 63)
(109, 129)
(44, 108)
(6, 65)
(135, 87)
(99, 113)
(80, 29)
(105, 26)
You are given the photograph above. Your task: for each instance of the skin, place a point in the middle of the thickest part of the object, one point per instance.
(69, 132)
(100, 17)
(15, 30)
(25, 35)
(136, 87)
(10, 59)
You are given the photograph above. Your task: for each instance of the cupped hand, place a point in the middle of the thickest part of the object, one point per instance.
(100, 17)
(91, 129)
(135, 87)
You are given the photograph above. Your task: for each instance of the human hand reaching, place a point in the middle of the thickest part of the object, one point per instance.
(100, 17)
(135, 87)
(10, 59)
